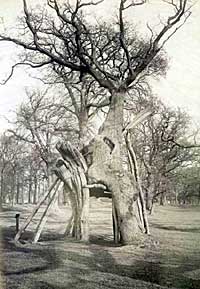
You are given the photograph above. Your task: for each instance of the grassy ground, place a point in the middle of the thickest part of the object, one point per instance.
(169, 258)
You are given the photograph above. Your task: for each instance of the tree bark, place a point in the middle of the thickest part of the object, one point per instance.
(107, 168)
(72, 171)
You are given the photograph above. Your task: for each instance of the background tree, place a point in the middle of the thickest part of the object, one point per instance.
(186, 188)
(40, 123)
(162, 145)
(13, 170)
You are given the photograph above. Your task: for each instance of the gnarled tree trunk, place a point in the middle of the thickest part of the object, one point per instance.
(72, 171)
(107, 168)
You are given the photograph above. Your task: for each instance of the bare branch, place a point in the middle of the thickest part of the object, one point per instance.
(80, 5)
(159, 41)
(20, 137)
(122, 37)
(24, 64)
(133, 3)
(99, 51)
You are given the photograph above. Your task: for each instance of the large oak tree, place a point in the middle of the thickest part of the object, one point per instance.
(61, 37)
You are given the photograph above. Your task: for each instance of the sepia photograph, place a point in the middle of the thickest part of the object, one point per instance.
(99, 144)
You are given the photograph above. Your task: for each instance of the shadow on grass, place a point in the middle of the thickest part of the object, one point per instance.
(174, 228)
(19, 207)
(152, 272)
(8, 209)
(103, 240)
(66, 268)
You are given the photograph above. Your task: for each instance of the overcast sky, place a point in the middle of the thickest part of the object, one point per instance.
(181, 87)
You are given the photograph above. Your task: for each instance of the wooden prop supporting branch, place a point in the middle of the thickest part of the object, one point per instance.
(140, 214)
(134, 170)
(69, 227)
(29, 219)
(45, 215)
(116, 231)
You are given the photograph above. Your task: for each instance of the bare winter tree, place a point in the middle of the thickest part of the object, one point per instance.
(40, 121)
(83, 101)
(162, 146)
(5, 158)
(13, 164)
(115, 58)
(186, 185)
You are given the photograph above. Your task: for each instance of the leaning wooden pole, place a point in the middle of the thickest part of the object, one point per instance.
(69, 227)
(29, 219)
(116, 232)
(44, 216)
(134, 170)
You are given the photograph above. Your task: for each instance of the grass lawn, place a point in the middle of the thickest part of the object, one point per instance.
(169, 258)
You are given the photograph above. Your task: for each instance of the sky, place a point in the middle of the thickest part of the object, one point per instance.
(180, 87)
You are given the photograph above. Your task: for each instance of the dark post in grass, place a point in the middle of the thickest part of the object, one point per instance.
(17, 216)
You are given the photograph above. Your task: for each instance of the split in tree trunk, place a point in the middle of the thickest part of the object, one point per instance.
(72, 171)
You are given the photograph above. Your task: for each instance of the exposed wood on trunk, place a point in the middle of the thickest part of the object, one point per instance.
(72, 170)
(96, 186)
